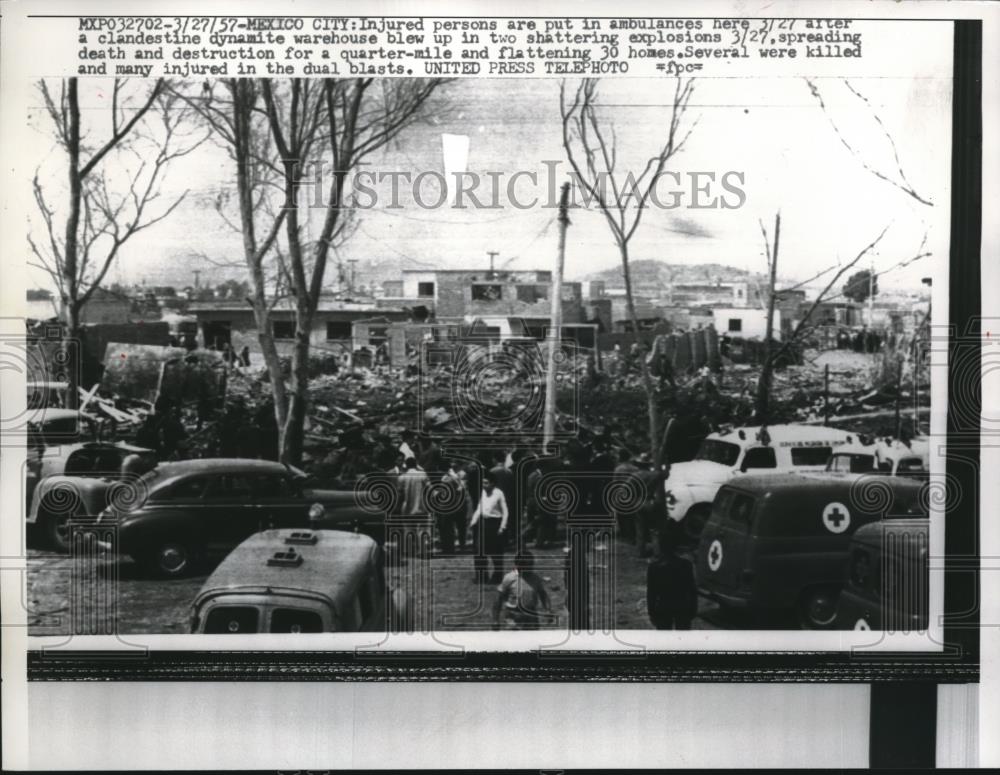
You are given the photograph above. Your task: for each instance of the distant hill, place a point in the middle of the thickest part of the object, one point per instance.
(650, 274)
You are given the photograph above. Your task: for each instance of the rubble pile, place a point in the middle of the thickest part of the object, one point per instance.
(356, 412)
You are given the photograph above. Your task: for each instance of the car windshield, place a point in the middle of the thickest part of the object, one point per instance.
(851, 463)
(718, 452)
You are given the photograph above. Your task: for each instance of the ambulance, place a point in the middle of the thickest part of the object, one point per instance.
(888, 584)
(782, 542)
(691, 486)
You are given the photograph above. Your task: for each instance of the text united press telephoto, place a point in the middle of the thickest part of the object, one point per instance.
(491, 333)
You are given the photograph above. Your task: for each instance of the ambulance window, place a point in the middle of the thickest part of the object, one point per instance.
(722, 501)
(811, 456)
(760, 457)
(718, 452)
(295, 620)
(851, 464)
(231, 620)
(741, 509)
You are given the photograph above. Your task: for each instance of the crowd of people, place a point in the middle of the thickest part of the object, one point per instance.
(495, 504)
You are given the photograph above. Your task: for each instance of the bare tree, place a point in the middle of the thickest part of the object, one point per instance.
(896, 177)
(591, 148)
(336, 124)
(282, 136)
(238, 122)
(104, 210)
(806, 323)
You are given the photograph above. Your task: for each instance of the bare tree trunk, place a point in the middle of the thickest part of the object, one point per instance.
(72, 346)
(242, 142)
(71, 307)
(647, 380)
(293, 433)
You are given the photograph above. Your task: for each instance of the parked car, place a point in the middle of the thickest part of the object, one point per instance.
(47, 394)
(189, 509)
(888, 578)
(299, 581)
(52, 427)
(893, 458)
(691, 486)
(782, 541)
(68, 481)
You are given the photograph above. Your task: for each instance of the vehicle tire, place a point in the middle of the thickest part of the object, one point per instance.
(694, 521)
(170, 559)
(57, 530)
(818, 608)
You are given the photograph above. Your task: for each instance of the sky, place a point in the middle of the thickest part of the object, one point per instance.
(770, 129)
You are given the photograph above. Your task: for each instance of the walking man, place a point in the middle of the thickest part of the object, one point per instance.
(492, 509)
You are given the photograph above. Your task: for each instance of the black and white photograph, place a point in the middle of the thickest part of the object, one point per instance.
(670, 339)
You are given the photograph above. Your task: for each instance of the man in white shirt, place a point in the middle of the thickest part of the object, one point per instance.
(492, 509)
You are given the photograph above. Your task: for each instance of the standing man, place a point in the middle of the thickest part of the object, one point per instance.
(671, 594)
(504, 480)
(492, 509)
(412, 487)
(624, 471)
(648, 517)
(409, 439)
(451, 523)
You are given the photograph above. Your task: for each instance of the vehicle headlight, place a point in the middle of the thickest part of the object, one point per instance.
(861, 569)
(316, 512)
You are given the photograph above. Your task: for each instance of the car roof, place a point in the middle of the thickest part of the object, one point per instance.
(785, 433)
(873, 533)
(49, 384)
(817, 481)
(209, 465)
(54, 413)
(331, 567)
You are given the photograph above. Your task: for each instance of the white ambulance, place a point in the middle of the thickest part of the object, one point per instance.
(691, 486)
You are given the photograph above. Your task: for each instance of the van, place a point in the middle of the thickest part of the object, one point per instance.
(781, 542)
(691, 486)
(888, 578)
(298, 581)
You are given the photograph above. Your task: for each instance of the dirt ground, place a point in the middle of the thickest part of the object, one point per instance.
(101, 594)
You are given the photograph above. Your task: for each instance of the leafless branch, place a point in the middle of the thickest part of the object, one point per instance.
(902, 184)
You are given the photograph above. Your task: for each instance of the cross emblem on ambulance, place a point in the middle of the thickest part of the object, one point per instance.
(836, 517)
(715, 555)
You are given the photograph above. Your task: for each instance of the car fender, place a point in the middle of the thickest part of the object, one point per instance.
(72, 495)
(136, 531)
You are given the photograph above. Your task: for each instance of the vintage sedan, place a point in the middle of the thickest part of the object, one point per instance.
(70, 481)
(187, 510)
(51, 427)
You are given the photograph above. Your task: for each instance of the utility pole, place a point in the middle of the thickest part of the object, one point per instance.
(555, 325)
(197, 274)
(871, 297)
(352, 262)
(764, 384)
(492, 254)
(826, 394)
